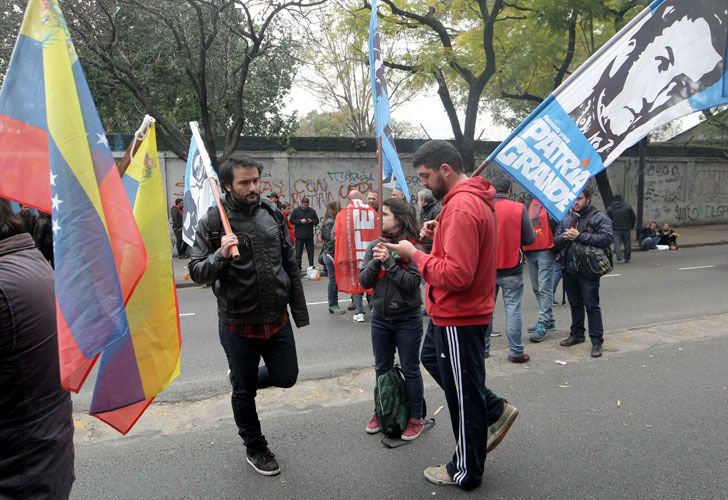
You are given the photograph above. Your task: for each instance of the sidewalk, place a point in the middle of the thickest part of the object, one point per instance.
(690, 236)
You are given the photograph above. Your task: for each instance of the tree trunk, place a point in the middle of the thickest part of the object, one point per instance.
(605, 189)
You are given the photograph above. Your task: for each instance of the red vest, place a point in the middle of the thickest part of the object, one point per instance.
(508, 215)
(541, 226)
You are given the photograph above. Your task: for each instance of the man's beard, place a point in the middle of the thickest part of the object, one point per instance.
(439, 192)
(247, 200)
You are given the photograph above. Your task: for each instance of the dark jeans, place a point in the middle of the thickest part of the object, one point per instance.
(620, 238)
(308, 242)
(181, 245)
(404, 335)
(333, 290)
(583, 294)
(280, 370)
(454, 356)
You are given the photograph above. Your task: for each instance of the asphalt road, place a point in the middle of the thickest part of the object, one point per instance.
(655, 286)
(648, 424)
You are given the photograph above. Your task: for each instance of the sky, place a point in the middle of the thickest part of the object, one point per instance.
(425, 109)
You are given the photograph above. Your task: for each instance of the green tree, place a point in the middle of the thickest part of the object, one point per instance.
(335, 53)
(11, 15)
(551, 40)
(226, 63)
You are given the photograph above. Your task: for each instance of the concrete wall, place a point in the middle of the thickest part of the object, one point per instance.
(680, 191)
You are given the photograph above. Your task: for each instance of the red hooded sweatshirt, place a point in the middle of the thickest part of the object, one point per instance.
(460, 271)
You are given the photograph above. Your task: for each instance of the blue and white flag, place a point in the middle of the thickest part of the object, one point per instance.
(392, 173)
(198, 194)
(667, 62)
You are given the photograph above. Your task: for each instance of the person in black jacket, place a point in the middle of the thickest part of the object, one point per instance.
(587, 226)
(36, 427)
(623, 219)
(43, 236)
(396, 315)
(328, 235)
(175, 213)
(304, 219)
(253, 294)
(430, 208)
(28, 218)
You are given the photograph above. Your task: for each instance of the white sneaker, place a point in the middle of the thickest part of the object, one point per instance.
(359, 318)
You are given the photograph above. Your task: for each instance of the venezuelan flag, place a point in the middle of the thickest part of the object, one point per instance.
(54, 156)
(133, 372)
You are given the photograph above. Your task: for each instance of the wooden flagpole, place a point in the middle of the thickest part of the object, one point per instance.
(139, 136)
(214, 187)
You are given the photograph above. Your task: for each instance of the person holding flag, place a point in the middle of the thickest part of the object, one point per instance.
(253, 294)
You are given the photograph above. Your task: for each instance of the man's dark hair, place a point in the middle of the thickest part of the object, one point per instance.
(176, 202)
(229, 165)
(502, 184)
(587, 193)
(305, 200)
(434, 153)
(405, 217)
(10, 222)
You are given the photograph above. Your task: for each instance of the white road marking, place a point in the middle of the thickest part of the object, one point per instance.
(694, 267)
(611, 275)
(317, 303)
(187, 314)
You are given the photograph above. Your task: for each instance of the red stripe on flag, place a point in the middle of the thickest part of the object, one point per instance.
(130, 255)
(124, 418)
(24, 164)
(75, 367)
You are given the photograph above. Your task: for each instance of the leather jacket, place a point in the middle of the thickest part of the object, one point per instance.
(257, 288)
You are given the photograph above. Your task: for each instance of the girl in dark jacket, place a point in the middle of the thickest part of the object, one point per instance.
(396, 316)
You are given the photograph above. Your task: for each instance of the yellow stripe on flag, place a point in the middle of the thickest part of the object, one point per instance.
(152, 310)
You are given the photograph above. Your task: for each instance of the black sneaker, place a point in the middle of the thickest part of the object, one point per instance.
(263, 461)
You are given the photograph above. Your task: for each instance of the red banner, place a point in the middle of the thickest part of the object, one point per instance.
(357, 225)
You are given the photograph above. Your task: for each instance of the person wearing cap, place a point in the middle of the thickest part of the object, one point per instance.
(275, 199)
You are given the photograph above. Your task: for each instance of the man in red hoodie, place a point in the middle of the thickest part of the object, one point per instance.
(460, 277)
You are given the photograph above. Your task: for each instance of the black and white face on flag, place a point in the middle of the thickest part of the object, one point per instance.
(380, 81)
(658, 66)
(669, 61)
(197, 194)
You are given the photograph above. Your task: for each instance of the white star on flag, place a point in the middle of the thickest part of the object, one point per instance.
(56, 227)
(53, 179)
(102, 140)
(56, 201)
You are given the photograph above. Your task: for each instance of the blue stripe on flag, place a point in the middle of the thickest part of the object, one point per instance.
(87, 286)
(23, 91)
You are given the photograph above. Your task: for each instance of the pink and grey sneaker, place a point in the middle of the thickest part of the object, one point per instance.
(414, 429)
(373, 426)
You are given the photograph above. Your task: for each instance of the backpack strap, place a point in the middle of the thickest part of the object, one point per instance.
(214, 224)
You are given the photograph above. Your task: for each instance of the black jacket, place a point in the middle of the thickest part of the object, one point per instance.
(176, 214)
(429, 212)
(597, 232)
(258, 287)
(304, 231)
(622, 215)
(328, 236)
(36, 428)
(28, 221)
(397, 294)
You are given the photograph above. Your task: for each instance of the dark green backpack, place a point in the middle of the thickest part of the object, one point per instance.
(390, 403)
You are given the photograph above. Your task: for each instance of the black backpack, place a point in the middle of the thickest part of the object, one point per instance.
(214, 223)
